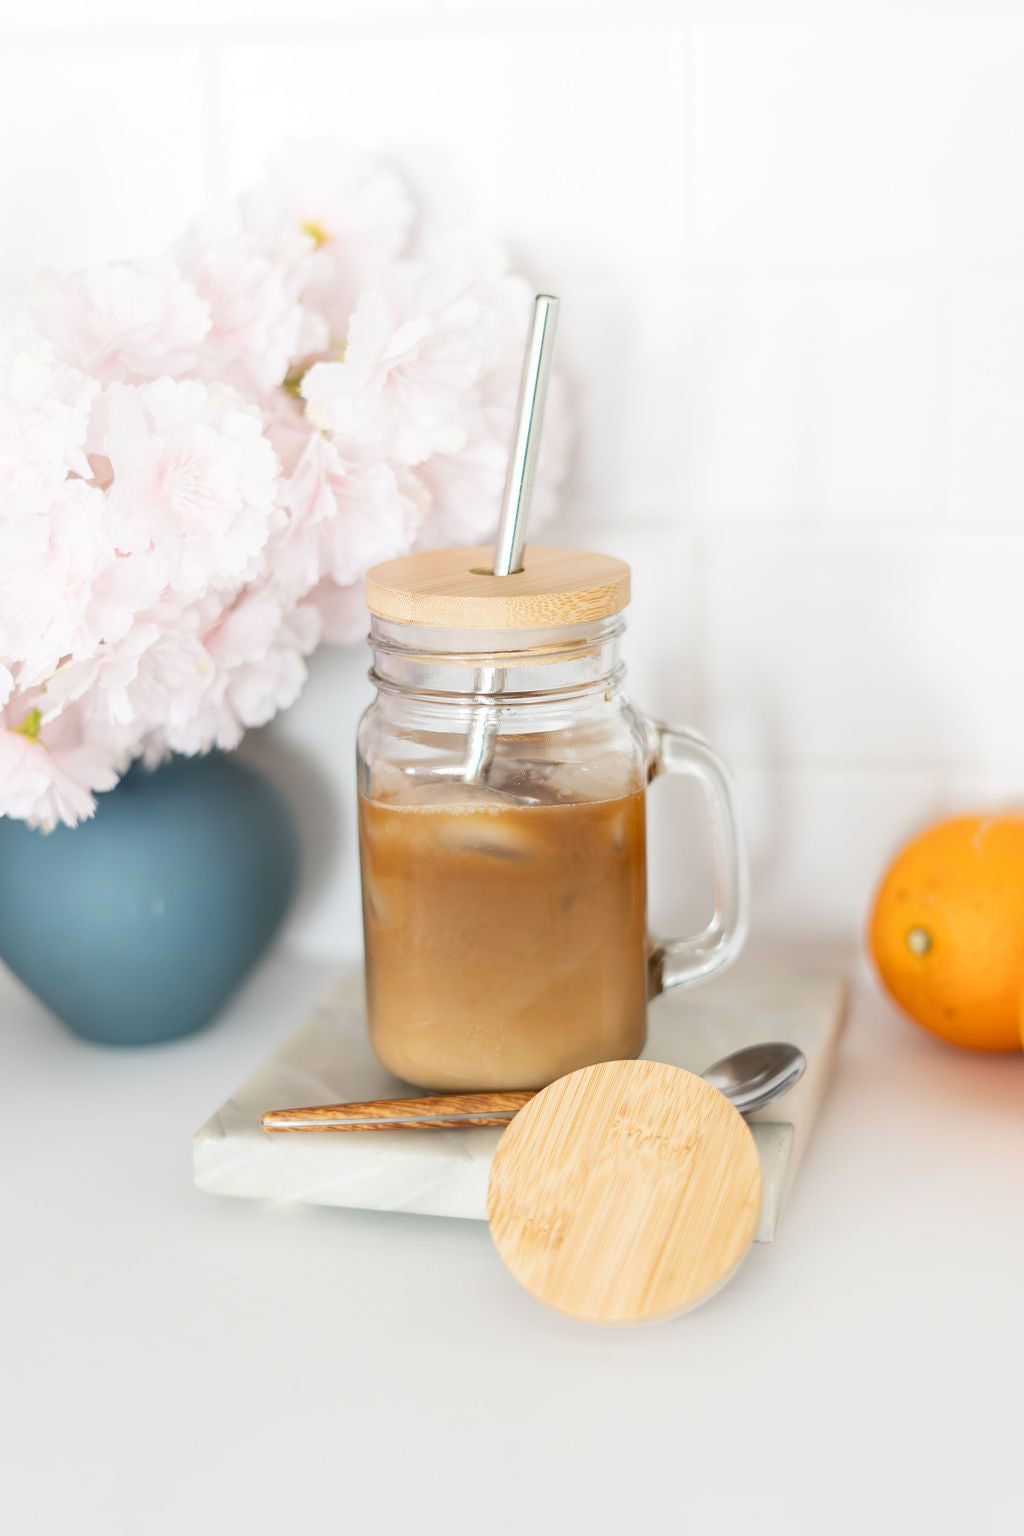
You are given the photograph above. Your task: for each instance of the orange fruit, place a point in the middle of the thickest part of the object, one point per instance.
(947, 930)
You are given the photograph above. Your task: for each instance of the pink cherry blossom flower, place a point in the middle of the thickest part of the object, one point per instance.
(411, 357)
(153, 678)
(125, 586)
(258, 326)
(353, 515)
(48, 564)
(464, 494)
(44, 415)
(50, 775)
(258, 651)
(201, 457)
(288, 428)
(343, 612)
(123, 322)
(344, 217)
(194, 479)
(467, 261)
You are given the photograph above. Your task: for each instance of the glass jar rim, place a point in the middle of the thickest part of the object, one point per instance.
(451, 666)
(482, 648)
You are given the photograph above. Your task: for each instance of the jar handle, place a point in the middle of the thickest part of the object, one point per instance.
(681, 962)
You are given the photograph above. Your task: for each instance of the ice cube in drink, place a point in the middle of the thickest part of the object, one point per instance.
(505, 941)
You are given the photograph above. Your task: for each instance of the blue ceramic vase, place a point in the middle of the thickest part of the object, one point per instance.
(137, 925)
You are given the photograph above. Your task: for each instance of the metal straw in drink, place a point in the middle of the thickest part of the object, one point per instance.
(515, 507)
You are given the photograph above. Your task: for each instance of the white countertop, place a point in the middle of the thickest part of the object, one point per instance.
(173, 1364)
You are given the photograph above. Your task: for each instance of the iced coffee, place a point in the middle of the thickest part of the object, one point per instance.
(505, 941)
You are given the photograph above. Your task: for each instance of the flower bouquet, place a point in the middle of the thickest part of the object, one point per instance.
(200, 457)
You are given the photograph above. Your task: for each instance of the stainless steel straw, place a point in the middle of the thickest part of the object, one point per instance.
(515, 509)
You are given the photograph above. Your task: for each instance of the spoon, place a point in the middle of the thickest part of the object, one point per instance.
(757, 1074)
(749, 1078)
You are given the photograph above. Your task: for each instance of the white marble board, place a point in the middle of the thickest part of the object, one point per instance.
(327, 1060)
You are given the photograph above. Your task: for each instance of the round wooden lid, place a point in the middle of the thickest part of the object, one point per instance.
(625, 1192)
(455, 589)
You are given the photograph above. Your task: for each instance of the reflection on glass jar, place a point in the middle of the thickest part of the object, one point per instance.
(505, 910)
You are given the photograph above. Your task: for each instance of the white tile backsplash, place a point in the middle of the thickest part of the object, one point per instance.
(834, 650)
(890, 137)
(790, 244)
(624, 347)
(820, 839)
(788, 400)
(568, 143)
(662, 643)
(986, 403)
(751, 401)
(880, 420)
(104, 154)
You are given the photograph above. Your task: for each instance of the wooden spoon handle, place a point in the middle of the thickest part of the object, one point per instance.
(435, 1112)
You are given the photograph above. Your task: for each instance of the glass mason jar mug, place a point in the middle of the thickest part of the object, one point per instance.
(502, 784)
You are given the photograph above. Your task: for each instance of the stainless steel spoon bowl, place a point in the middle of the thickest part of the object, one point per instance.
(753, 1077)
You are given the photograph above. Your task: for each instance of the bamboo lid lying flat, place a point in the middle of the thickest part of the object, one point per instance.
(455, 589)
(625, 1192)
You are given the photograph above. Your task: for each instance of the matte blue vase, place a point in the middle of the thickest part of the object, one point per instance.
(137, 925)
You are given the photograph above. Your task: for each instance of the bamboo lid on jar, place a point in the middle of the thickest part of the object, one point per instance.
(456, 589)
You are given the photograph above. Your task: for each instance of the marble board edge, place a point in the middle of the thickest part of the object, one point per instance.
(446, 1174)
